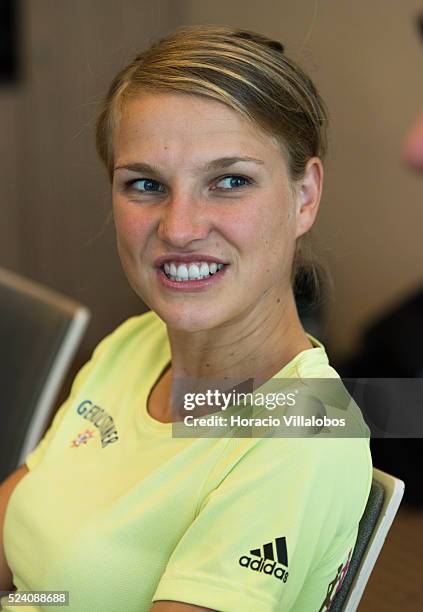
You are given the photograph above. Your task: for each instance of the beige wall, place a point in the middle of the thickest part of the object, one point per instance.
(365, 57)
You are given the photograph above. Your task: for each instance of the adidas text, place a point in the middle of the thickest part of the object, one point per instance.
(265, 566)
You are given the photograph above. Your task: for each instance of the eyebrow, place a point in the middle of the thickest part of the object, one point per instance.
(215, 164)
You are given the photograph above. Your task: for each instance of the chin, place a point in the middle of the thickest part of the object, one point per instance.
(188, 320)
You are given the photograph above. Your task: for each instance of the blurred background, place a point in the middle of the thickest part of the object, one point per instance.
(366, 59)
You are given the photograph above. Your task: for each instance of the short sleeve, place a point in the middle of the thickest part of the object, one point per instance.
(276, 531)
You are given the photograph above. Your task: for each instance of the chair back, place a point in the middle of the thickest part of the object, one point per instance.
(382, 505)
(40, 331)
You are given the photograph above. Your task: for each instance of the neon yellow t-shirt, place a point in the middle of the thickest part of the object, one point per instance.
(121, 514)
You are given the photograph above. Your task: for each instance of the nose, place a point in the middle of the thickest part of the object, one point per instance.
(183, 220)
(413, 145)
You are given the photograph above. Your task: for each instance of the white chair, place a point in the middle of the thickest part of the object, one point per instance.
(383, 503)
(40, 331)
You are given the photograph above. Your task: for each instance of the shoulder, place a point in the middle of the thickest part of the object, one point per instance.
(314, 362)
(130, 347)
(328, 472)
(319, 467)
(323, 456)
(145, 325)
(146, 329)
(114, 366)
(322, 394)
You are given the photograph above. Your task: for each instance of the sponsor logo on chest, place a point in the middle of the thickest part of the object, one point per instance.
(100, 419)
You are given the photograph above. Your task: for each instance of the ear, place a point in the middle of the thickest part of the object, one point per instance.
(413, 145)
(308, 194)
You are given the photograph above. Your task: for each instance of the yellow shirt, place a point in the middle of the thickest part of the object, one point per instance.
(120, 513)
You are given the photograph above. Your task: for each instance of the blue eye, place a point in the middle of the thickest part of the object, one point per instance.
(151, 186)
(148, 183)
(233, 178)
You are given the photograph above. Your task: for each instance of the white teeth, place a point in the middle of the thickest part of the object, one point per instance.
(193, 271)
(182, 273)
(205, 269)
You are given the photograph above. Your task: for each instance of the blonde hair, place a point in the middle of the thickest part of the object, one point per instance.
(244, 70)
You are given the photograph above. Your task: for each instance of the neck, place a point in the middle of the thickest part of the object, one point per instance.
(256, 347)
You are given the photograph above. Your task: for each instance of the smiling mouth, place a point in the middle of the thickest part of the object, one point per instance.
(193, 271)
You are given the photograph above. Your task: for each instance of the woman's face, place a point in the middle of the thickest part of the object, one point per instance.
(240, 213)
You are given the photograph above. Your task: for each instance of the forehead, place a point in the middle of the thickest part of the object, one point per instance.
(183, 124)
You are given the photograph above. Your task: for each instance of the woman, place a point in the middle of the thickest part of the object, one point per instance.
(213, 140)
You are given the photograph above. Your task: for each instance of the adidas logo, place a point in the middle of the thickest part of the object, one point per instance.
(266, 562)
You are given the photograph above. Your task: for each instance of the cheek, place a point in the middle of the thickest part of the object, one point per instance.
(132, 227)
(271, 233)
(274, 245)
